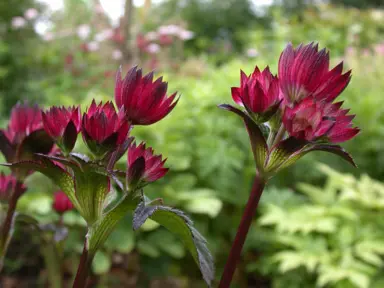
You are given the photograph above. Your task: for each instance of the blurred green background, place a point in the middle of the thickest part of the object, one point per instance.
(319, 225)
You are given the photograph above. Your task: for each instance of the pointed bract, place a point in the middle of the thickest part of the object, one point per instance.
(259, 93)
(304, 72)
(311, 121)
(143, 164)
(145, 101)
(103, 129)
(63, 125)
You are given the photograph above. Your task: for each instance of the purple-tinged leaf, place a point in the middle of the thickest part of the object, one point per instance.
(6, 147)
(69, 137)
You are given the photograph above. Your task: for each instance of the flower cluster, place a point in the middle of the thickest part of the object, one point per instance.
(299, 103)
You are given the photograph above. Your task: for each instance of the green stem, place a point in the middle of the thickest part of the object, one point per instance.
(53, 264)
(279, 136)
(241, 235)
(7, 225)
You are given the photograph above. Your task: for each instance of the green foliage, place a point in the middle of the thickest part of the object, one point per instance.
(334, 233)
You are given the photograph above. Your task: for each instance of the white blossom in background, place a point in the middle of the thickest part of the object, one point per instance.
(104, 35)
(18, 22)
(151, 36)
(117, 54)
(185, 35)
(48, 36)
(93, 46)
(83, 31)
(252, 53)
(31, 13)
(153, 48)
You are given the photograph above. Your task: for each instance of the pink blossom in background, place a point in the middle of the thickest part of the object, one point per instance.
(379, 48)
(18, 22)
(117, 54)
(186, 35)
(48, 36)
(151, 36)
(31, 13)
(104, 35)
(153, 48)
(252, 53)
(83, 31)
(93, 46)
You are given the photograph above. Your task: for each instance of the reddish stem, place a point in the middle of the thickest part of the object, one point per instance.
(242, 231)
(83, 269)
(6, 227)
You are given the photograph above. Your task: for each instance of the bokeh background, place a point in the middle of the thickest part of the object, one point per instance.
(320, 223)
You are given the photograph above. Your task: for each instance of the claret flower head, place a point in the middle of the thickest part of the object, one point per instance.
(25, 134)
(143, 166)
(312, 120)
(259, 93)
(103, 129)
(61, 202)
(304, 72)
(63, 125)
(145, 101)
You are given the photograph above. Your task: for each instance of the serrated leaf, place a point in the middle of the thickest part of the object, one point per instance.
(178, 223)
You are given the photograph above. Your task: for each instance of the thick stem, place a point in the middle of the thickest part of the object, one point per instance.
(53, 264)
(242, 231)
(84, 267)
(7, 225)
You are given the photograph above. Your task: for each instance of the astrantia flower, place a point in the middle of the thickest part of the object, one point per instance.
(143, 166)
(259, 93)
(63, 125)
(304, 72)
(7, 186)
(61, 202)
(312, 120)
(25, 134)
(103, 129)
(145, 101)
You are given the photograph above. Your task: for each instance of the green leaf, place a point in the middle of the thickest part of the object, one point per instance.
(178, 223)
(59, 176)
(91, 191)
(101, 263)
(258, 143)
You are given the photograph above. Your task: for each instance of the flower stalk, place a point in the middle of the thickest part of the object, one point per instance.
(241, 235)
(7, 226)
(83, 268)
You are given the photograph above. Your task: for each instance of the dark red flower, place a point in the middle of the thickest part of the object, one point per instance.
(304, 72)
(25, 134)
(141, 42)
(259, 93)
(24, 120)
(165, 39)
(145, 102)
(103, 129)
(143, 166)
(63, 125)
(312, 120)
(7, 186)
(61, 202)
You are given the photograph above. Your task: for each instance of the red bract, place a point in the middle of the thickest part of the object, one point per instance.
(61, 202)
(63, 125)
(145, 102)
(259, 93)
(103, 129)
(312, 120)
(143, 166)
(304, 72)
